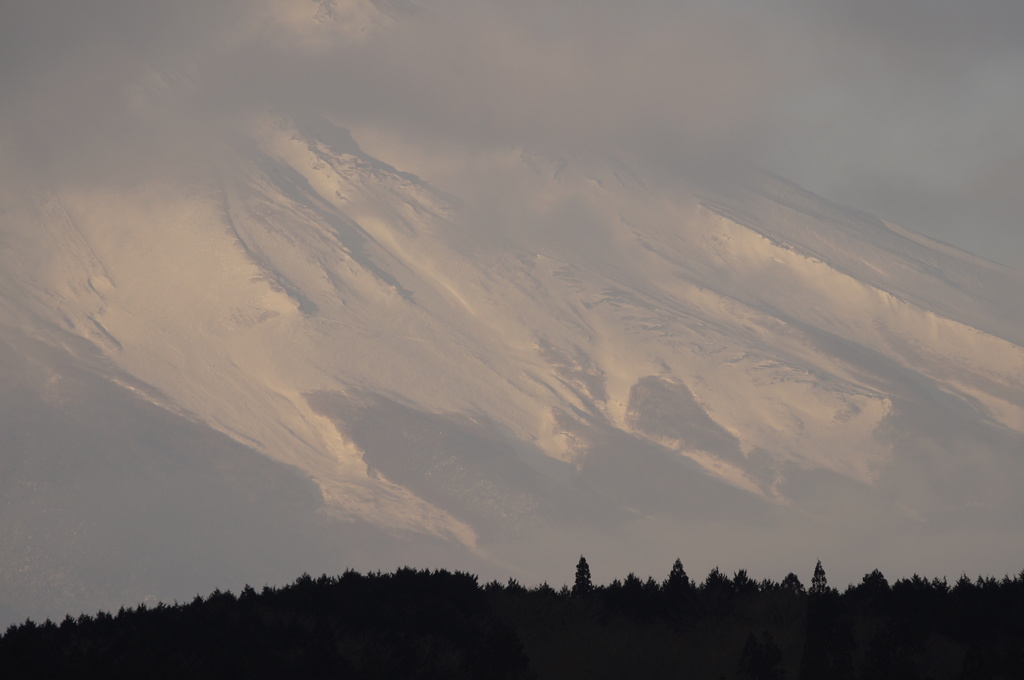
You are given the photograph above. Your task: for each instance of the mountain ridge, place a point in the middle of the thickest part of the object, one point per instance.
(579, 356)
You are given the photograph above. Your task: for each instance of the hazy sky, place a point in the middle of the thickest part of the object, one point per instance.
(908, 109)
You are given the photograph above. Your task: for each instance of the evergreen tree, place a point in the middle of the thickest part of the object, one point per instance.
(677, 581)
(583, 586)
(792, 584)
(819, 582)
(679, 593)
(717, 583)
(743, 584)
(829, 643)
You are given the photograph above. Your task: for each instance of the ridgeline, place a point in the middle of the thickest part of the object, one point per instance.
(416, 624)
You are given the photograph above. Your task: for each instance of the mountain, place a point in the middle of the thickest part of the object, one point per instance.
(294, 354)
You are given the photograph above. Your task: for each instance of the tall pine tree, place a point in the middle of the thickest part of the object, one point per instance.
(583, 585)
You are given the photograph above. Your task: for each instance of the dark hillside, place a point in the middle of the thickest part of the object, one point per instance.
(421, 624)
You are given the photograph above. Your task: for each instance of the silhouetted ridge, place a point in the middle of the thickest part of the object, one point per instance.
(423, 624)
(410, 624)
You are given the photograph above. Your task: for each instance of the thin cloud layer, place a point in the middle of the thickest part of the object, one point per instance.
(907, 109)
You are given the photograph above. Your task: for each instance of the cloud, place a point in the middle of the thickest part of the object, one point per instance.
(89, 87)
(883, 105)
(126, 80)
(915, 101)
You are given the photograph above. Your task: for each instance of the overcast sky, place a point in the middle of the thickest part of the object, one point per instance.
(908, 109)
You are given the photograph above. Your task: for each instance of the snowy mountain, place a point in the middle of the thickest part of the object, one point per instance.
(297, 356)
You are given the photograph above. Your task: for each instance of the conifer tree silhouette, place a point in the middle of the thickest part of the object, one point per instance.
(583, 585)
(819, 582)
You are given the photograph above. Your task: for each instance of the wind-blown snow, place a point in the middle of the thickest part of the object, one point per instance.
(565, 372)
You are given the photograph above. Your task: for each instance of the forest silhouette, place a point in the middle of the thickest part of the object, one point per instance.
(440, 624)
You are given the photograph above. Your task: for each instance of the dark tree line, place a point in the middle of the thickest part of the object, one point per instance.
(739, 627)
(422, 624)
(410, 624)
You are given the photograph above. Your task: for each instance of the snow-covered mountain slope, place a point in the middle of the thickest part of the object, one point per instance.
(106, 499)
(580, 358)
